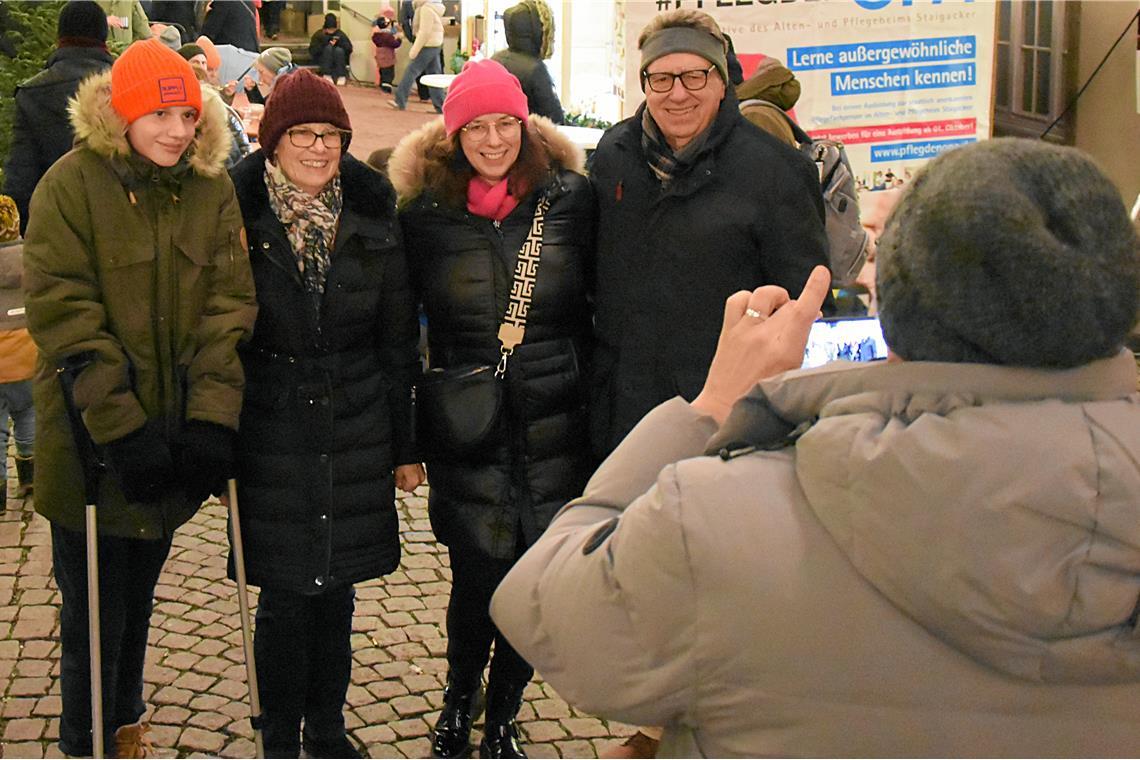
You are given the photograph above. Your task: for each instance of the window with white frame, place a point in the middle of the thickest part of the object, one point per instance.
(1034, 67)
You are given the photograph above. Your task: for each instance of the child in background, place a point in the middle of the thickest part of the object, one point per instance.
(386, 38)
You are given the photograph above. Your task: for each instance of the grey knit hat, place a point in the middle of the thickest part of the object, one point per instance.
(1009, 251)
(275, 58)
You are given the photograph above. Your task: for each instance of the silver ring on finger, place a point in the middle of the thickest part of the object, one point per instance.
(753, 313)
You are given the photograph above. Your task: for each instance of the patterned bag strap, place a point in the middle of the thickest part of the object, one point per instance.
(513, 328)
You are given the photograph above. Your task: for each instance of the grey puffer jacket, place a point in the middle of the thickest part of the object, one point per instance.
(947, 563)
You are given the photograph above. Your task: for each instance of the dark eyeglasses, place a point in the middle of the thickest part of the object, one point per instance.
(662, 81)
(307, 138)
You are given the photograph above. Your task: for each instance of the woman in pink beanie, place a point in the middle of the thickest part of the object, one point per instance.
(480, 189)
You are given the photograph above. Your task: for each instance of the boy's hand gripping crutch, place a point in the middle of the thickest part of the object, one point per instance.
(92, 468)
(246, 626)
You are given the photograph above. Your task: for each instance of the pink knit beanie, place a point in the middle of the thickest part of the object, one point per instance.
(482, 87)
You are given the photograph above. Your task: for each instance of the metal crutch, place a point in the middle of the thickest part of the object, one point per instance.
(92, 466)
(246, 626)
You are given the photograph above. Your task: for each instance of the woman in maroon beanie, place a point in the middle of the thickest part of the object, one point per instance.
(486, 191)
(325, 426)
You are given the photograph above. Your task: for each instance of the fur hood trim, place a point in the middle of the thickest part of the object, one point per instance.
(101, 128)
(426, 154)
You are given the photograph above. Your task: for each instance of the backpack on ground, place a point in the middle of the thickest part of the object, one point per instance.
(846, 238)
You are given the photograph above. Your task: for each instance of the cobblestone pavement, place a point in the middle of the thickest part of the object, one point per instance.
(195, 674)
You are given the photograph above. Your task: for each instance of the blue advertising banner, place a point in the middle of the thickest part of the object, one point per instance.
(898, 81)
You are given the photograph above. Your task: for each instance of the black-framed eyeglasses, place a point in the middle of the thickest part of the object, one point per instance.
(307, 138)
(506, 127)
(662, 81)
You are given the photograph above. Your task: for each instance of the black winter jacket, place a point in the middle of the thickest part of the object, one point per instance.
(232, 22)
(41, 128)
(747, 212)
(502, 498)
(523, 59)
(327, 407)
(319, 41)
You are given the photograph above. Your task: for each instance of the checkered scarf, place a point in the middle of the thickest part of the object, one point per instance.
(662, 160)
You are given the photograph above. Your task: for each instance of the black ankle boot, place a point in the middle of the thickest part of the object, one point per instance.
(501, 733)
(501, 740)
(452, 735)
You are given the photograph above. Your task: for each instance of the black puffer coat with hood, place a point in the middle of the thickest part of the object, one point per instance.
(462, 265)
(327, 412)
(530, 37)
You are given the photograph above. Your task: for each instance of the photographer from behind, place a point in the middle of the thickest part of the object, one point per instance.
(935, 555)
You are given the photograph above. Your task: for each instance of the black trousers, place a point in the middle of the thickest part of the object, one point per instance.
(128, 571)
(304, 661)
(470, 630)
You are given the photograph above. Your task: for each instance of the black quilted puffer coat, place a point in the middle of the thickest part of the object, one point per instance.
(503, 497)
(327, 408)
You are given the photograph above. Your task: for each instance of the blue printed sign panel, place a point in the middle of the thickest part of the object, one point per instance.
(897, 81)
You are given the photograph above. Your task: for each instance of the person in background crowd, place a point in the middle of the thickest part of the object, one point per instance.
(326, 426)
(775, 85)
(331, 49)
(874, 209)
(386, 38)
(41, 130)
(272, 63)
(271, 18)
(530, 41)
(232, 22)
(932, 556)
(240, 146)
(379, 158)
(694, 205)
(426, 55)
(471, 187)
(136, 227)
(167, 35)
(176, 12)
(126, 22)
(17, 358)
(735, 70)
(405, 16)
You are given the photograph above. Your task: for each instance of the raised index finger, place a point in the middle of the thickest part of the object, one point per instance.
(815, 290)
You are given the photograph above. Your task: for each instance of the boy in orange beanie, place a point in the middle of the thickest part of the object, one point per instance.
(136, 277)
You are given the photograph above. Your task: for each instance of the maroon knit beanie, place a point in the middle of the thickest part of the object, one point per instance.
(300, 97)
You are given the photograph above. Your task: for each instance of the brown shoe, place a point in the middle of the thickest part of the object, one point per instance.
(132, 741)
(637, 746)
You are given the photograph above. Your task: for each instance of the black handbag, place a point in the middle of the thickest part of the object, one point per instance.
(458, 408)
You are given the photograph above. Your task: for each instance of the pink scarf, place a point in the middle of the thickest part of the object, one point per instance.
(490, 201)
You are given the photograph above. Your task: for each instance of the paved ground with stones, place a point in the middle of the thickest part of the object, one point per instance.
(195, 675)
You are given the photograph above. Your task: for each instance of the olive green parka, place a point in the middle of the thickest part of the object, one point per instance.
(143, 269)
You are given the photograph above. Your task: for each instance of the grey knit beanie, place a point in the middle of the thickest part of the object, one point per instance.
(1009, 251)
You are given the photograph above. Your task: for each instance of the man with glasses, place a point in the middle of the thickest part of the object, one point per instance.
(694, 204)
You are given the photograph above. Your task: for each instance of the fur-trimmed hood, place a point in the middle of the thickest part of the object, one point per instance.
(423, 159)
(104, 131)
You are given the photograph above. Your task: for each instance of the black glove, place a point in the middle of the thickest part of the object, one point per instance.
(143, 463)
(207, 459)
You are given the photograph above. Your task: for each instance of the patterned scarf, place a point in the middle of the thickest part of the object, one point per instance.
(310, 223)
(662, 160)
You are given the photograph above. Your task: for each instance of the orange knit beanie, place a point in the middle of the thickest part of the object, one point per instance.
(149, 76)
(213, 57)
